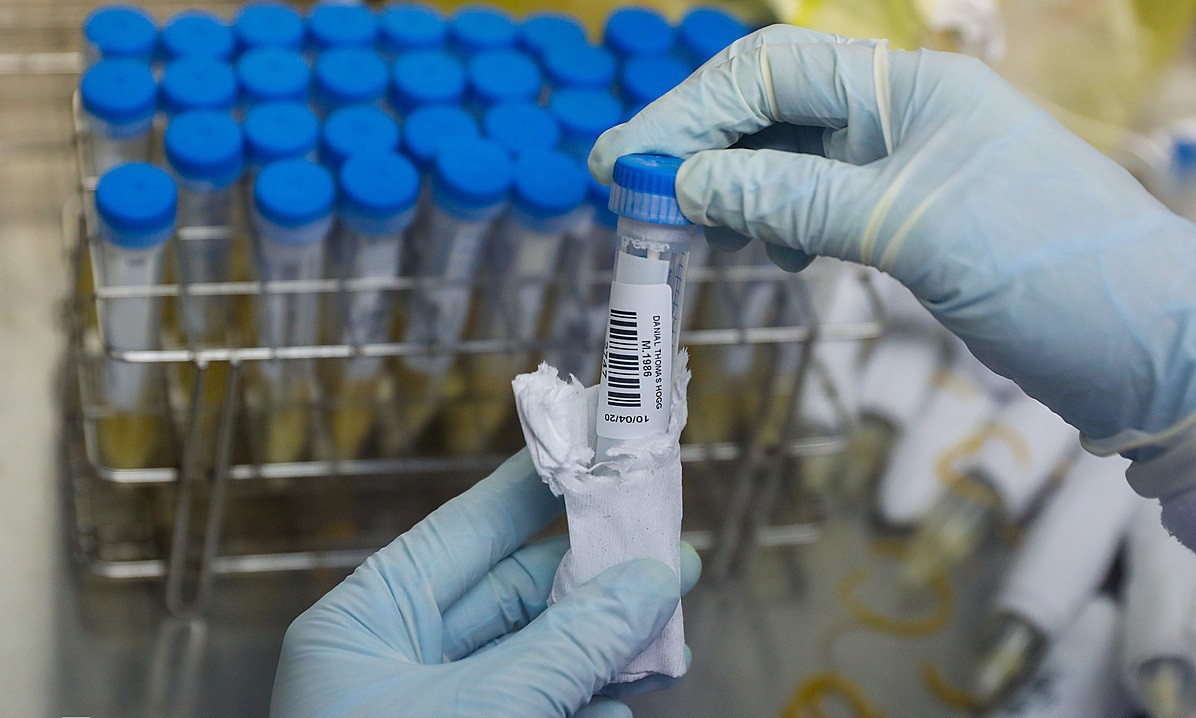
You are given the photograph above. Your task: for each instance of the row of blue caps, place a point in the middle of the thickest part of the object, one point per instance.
(124, 31)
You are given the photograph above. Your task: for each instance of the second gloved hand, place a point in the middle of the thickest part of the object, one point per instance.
(1053, 264)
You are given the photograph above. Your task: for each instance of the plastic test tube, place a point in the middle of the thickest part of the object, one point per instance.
(354, 129)
(271, 74)
(339, 24)
(645, 79)
(498, 76)
(638, 32)
(135, 204)
(477, 28)
(1056, 571)
(119, 32)
(429, 127)
(647, 293)
(197, 32)
(426, 77)
(1079, 674)
(377, 203)
(268, 25)
(409, 27)
(706, 31)
(204, 149)
(522, 255)
(277, 131)
(198, 82)
(544, 31)
(1026, 443)
(521, 127)
(583, 116)
(471, 179)
(292, 215)
(580, 66)
(1158, 662)
(349, 76)
(119, 98)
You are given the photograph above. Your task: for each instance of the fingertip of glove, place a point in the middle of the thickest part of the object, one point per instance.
(691, 568)
(725, 239)
(607, 149)
(1179, 517)
(788, 258)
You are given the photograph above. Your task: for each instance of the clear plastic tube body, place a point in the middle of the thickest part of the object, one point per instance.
(1014, 652)
(579, 322)
(204, 253)
(647, 299)
(113, 145)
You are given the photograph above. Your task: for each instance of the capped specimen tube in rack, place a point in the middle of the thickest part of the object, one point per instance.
(522, 255)
(638, 32)
(119, 32)
(204, 150)
(521, 127)
(583, 116)
(197, 32)
(476, 28)
(346, 76)
(470, 183)
(647, 294)
(356, 129)
(705, 31)
(1057, 569)
(542, 32)
(378, 193)
(333, 24)
(1158, 660)
(198, 82)
(429, 127)
(271, 74)
(135, 204)
(645, 79)
(501, 76)
(580, 66)
(279, 131)
(1020, 451)
(269, 25)
(410, 27)
(119, 98)
(292, 215)
(426, 77)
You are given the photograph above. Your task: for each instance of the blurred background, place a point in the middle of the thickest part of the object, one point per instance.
(887, 528)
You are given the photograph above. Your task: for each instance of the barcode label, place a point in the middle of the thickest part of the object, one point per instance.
(637, 364)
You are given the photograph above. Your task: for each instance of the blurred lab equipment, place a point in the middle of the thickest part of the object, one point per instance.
(638, 31)
(477, 28)
(346, 76)
(426, 77)
(542, 32)
(521, 127)
(408, 27)
(332, 25)
(261, 25)
(198, 82)
(119, 98)
(116, 32)
(270, 74)
(197, 32)
(356, 129)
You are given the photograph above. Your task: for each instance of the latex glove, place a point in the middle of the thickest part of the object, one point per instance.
(451, 619)
(1048, 259)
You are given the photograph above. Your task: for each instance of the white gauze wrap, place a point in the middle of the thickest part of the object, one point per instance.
(631, 510)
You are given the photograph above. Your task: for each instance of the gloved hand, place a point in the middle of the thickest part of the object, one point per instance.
(1048, 259)
(451, 619)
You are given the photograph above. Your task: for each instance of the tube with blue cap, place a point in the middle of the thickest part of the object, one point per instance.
(521, 127)
(378, 194)
(478, 28)
(271, 74)
(427, 128)
(272, 25)
(199, 33)
(580, 66)
(645, 79)
(119, 98)
(544, 31)
(502, 76)
(292, 216)
(426, 77)
(356, 129)
(135, 204)
(277, 131)
(349, 76)
(638, 32)
(119, 32)
(583, 116)
(647, 295)
(410, 27)
(547, 198)
(705, 31)
(470, 184)
(204, 150)
(339, 24)
(198, 82)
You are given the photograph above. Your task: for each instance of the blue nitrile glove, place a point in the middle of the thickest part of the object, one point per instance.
(451, 619)
(1048, 259)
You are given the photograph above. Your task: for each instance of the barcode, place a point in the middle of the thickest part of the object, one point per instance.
(622, 360)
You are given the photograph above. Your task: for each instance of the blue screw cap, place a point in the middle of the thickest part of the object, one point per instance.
(333, 24)
(410, 26)
(477, 29)
(294, 193)
(521, 127)
(272, 74)
(349, 76)
(645, 79)
(471, 174)
(269, 24)
(705, 31)
(544, 31)
(356, 129)
(548, 184)
(204, 145)
(279, 130)
(137, 202)
(580, 65)
(119, 92)
(503, 75)
(427, 77)
(638, 31)
(121, 32)
(197, 32)
(584, 114)
(378, 186)
(644, 188)
(196, 82)
(430, 126)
